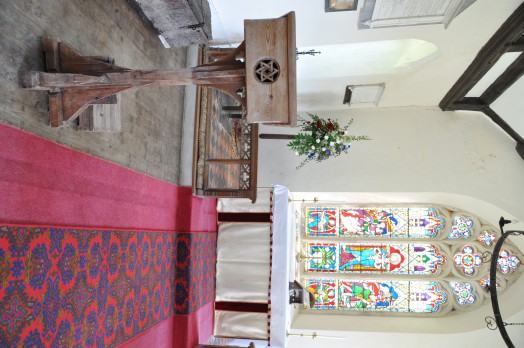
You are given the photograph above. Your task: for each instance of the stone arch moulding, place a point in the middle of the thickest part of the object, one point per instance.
(462, 273)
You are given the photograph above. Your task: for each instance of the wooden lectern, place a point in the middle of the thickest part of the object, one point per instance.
(271, 70)
(260, 74)
(75, 81)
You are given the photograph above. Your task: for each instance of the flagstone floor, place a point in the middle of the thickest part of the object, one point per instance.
(151, 118)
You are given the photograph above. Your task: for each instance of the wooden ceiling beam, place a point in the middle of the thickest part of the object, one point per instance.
(510, 32)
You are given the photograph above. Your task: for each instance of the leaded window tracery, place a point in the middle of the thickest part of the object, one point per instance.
(417, 259)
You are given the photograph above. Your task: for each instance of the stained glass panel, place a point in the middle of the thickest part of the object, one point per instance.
(357, 257)
(425, 297)
(487, 238)
(325, 292)
(394, 296)
(321, 221)
(373, 222)
(356, 295)
(424, 259)
(463, 293)
(322, 257)
(467, 260)
(390, 296)
(461, 228)
(390, 222)
(425, 223)
(485, 282)
(507, 261)
(398, 258)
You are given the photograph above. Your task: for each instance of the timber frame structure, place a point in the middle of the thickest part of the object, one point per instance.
(75, 81)
(509, 38)
(260, 74)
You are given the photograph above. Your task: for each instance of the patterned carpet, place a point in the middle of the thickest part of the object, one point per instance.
(98, 288)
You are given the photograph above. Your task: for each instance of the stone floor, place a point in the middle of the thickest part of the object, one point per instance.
(151, 118)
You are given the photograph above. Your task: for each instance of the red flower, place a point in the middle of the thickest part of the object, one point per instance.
(330, 126)
(319, 124)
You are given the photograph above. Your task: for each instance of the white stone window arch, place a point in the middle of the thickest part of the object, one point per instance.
(402, 260)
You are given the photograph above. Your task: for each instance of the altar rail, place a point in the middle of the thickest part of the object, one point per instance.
(245, 165)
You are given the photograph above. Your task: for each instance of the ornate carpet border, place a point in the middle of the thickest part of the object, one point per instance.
(89, 287)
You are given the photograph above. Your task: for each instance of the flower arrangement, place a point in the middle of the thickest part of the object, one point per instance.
(325, 139)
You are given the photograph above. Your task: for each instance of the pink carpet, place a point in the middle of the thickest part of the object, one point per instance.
(194, 328)
(42, 182)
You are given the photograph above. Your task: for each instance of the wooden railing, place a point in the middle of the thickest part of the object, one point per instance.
(245, 163)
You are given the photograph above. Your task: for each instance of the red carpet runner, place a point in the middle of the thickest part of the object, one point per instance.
(125, 269)
(75, 287)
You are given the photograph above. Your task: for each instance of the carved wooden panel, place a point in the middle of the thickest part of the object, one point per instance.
(271, 70)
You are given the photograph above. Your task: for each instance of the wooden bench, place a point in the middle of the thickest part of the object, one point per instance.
(101, 117)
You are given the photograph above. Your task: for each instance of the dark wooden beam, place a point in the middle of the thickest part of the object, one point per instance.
(476, 104)
(467, 103)
(520, 149)
(509, 38)
(502, 124)
(510, 32)
(277, 136)
(515, 47)
(250, 307)
(504, 81)
(244, 217)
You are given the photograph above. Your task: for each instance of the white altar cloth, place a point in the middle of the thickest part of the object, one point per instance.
(253, 266)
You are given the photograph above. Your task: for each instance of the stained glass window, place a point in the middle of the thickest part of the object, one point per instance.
(374, 222)
(389, 258)
(461, 228)
(322, 257)
(418, 259)
(322, 221)
(376, 295)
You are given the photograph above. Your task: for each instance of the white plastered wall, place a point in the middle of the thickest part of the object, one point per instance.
(423, 84)
(417, 155)
(467, 329)
(413, 149)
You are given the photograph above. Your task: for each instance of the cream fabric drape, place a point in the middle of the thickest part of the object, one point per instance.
(243, 262)
(241, 325)
(242, 205)
(246, 266)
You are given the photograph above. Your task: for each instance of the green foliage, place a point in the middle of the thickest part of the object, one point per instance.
(325, 139)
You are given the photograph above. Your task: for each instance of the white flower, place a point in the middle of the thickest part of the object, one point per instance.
(296, 153)
(313, 147)
(332, 143)
(338, 141)
(326, 137)
(318, 141)
(323, 149)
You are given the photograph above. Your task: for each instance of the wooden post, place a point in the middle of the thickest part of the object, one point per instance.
(74, 81)
(277, 136)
